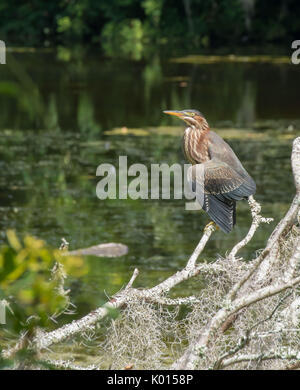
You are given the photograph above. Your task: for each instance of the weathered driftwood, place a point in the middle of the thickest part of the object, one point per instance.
(110, 249)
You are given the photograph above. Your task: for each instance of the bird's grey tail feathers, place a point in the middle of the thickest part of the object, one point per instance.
(221, 211)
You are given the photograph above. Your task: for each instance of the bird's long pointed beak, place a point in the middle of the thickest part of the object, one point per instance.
(175, 113)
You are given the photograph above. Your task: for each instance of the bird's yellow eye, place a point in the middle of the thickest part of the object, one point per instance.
(189, 113)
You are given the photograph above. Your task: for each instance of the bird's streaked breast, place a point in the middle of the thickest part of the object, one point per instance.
(194, 146)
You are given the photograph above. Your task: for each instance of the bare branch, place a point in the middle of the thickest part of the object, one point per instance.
(284, 354)
(195, 352)
(68, 365)
(131, 281)
(257, 219)
(245, 339)
(293, 262)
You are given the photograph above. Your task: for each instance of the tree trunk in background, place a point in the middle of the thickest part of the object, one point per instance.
(188, 12)
(248, 7)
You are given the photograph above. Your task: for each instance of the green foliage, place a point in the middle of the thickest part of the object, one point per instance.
(64, 24)
(276, 21)
(133, 23)
(32, 281)
(124, 38)
(153, 10)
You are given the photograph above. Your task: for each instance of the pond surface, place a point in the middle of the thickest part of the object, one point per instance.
(64, 113)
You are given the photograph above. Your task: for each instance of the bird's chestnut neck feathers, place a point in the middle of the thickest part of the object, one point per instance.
(197, 123)
(195, 143)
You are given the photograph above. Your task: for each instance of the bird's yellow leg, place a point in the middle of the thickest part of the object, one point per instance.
(211, 223)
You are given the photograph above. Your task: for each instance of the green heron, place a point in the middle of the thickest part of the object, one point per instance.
(216, 176)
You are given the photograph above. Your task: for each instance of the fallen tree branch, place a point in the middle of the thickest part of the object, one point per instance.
(68, 365)
(293, 262)
(284, 354)
(194, 353)
(286, 223)
(264, 261)
(246, 338)
(45, 339)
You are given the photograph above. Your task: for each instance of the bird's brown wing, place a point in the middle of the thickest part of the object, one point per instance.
(219, 150)
(218, 178)
(217, 187)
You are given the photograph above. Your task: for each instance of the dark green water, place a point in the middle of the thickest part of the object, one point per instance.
(56, 108)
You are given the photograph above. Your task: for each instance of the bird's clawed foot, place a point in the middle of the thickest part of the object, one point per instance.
(211, 224)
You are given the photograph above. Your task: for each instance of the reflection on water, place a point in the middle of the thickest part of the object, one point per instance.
(57, 113)
(51, 90)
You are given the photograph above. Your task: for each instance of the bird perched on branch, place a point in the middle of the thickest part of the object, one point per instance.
(216, 176)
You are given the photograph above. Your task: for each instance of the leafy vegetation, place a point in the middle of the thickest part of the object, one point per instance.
(32, 288)
(128, 25)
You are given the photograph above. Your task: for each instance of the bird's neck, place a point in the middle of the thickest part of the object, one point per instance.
(195, 144)
(203, 127)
